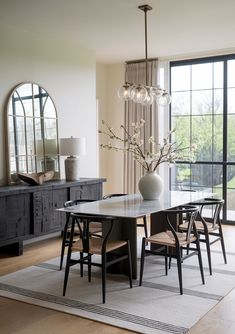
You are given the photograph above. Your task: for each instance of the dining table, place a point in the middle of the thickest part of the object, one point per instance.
(128, 209)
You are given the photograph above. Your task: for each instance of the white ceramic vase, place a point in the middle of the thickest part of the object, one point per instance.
(151, 186)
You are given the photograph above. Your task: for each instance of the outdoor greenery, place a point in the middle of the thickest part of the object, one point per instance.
(208, 137)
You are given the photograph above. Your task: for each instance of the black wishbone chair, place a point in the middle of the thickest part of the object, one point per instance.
(207, 227)
(95, 227)
(88, 245)
(144, 224)
(171, 243)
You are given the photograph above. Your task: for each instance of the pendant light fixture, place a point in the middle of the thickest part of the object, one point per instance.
(144, 94)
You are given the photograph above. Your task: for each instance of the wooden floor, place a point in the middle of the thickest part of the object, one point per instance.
(22, 318)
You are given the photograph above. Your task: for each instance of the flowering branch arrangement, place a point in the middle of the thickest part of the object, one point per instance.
(154, 155)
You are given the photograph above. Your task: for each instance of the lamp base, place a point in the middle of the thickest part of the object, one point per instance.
(72, 168)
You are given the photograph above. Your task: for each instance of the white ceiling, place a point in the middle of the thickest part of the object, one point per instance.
(115, 28)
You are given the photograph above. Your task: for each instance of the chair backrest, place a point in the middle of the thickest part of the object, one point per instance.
(77, 201)
(113, 195)
(85, 220)
(72, 203)
(175, 214)
(216, 206)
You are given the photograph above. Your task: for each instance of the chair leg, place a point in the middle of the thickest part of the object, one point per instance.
(142, 261)
(65, 236)
(62, 252)
(166, 260)
(222, 244)
(187, 249)
(129, 263)
(200, 259)
(81, 264)
(170, 262)
(104, 269)
(66, 275)
(145, 227)
(179, 267)
(89, 267)
(208, 249)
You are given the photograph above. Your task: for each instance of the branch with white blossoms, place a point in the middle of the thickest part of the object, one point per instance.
(156, 154)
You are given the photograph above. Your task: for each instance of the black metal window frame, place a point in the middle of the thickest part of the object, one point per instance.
(224, 163)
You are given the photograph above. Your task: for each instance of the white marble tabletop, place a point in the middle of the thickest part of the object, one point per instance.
(133, 206)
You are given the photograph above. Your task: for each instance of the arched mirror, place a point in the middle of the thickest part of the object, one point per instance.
(32, 127)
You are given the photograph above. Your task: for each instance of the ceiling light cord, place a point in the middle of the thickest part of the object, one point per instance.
(146, 44)
(144, 94)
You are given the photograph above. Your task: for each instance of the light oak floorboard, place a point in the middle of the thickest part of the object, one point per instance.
(21, 318)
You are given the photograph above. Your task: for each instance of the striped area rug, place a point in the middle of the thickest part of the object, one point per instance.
(156, 307)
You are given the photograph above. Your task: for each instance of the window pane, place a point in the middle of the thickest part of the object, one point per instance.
(202, 137)
(20, 136)
(202, 176)
(17, 108)
(28, 107)
(202, 76)
(49, 108)
(31, 163)
(231, 192)
(180, 177)
(231, 100)
(37, 108)
(231, 73)
(180, 78)
(217, 179)
(218, 101)
(231, 138)
(218, 74)
(50, 128)
(180, 104)
(181, 124)
(202, 102)
(30, 136)
(22, 164)
(25, 90)
(218, 138)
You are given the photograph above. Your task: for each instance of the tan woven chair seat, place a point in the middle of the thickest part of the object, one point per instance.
(93, 228)
(95, 245)
(167, 238)
(199, 226)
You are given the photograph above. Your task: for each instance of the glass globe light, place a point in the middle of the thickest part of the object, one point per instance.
(156, 92)
(149, 99)
(124, 92)
(139, 94)
(164, 99)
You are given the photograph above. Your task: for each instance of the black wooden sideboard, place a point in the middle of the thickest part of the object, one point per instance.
(27, 212)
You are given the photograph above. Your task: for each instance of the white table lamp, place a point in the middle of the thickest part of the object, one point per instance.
(73, 148)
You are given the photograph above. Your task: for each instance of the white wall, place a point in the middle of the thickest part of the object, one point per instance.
(111, 109)
(66, 71)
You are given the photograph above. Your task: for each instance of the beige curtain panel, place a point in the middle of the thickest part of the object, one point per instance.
(134, 112)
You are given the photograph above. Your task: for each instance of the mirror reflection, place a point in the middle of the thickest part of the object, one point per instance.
(32, 132)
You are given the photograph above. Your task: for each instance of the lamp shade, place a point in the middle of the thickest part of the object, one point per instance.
(72, 146)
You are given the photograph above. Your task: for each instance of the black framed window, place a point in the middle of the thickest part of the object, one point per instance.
(203, 113)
